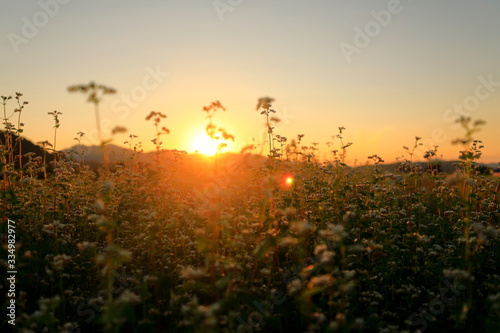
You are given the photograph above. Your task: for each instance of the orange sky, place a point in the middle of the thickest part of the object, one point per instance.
(386, 70)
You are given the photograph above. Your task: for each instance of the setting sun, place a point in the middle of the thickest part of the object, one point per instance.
(204, 145)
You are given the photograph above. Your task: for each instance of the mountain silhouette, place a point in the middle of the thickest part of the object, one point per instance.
(26, 147)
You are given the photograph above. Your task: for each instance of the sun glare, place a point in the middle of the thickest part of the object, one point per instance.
(288, 180)
(204, 145)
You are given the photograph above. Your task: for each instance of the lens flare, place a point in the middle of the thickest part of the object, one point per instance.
(288, 180)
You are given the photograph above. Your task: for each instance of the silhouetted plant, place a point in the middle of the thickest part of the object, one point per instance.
(218, 135)
(265, 104)
(95, 94)
(302, 246)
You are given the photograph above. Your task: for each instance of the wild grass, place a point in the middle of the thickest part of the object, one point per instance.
(182, 246)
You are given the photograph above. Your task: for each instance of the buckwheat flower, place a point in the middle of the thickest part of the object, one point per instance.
(318, 317)
(290, 211)
(294, 287)
(324, 280)
(127, 298)
(495, 298)
(324, 256)
(348, 216)
(118, 129)
(486, 233)
(48, 228)
(437, 247)
(264, 102)
(82, 246)
(334, 232)
(302, 228)
(108, 185)
(455, 274)
(288, 241)
(154, 312)
(319, 249)
(194, 273)
(209, 310)
(59, 261)
(279, 212)
(99, 205)
(349, 274)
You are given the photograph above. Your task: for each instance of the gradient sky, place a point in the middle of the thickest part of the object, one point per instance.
(408, 77)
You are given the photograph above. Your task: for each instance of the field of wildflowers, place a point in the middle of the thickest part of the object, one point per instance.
(245, 243)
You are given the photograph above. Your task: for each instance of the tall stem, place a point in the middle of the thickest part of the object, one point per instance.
(269, 134)
(98, 121)
(55, 145)
(20, 140)
(99, 134)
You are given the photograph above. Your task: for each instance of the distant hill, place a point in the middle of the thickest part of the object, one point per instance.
(26, 147)
(444, 166)
(93, 156)
(115, 153)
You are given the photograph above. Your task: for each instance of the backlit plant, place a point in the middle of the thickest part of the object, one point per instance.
(284, 243)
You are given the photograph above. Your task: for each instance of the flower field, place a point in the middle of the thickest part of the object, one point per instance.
(243, 242)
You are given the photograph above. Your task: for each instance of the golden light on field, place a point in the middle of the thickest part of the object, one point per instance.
(204, 145)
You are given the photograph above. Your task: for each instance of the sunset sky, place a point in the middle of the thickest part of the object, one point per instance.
(385, 70)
